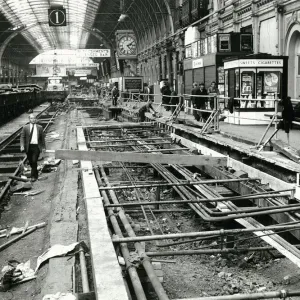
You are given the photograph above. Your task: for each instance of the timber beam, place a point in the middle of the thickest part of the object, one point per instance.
(190, 160)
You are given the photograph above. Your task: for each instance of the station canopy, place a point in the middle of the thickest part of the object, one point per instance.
(61, 57)
(89, 23)
(32, 15)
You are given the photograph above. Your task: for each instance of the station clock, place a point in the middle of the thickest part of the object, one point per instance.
(126, 44)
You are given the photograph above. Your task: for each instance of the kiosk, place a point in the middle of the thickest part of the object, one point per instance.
(260, 77)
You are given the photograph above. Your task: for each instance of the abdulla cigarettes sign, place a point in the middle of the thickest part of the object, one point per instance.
(256, 63)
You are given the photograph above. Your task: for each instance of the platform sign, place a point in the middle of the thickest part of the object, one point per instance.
(93, 52)
(133, 83)
(57, 17)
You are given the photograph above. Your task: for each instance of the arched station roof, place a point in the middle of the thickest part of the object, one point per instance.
(90, 23)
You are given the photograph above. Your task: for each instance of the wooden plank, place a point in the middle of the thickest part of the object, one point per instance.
(108, 279)
(120, 126)
(190, 160)
(286, 150)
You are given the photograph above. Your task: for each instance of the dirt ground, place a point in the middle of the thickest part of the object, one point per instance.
(207, 275)
(189, 276)
(36, 209)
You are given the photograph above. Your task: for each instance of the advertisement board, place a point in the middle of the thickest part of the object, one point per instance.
(132, 83)
(46, 71)
(271, 82)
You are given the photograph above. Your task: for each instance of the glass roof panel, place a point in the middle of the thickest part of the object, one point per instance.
(29, 12)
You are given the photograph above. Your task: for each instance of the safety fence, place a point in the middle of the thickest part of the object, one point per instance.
(208, 110)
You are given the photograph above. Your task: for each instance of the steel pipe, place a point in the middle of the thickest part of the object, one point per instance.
(208, 251)
(198, 200)
(145, 260)
(187, 182)
(202, 233)
(84, 275)
(136, 283)
(283, 294)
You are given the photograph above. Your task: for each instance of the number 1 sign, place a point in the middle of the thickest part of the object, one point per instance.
(57, 17)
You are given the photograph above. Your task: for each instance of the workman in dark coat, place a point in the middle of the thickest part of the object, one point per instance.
(174, 100)
(195, 91)
(288, 116)
(200, 103)
(144, 109)
(115, 95)
(166, 92)
(32, 142)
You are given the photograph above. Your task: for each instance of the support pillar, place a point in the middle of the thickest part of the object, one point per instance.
(255, 27)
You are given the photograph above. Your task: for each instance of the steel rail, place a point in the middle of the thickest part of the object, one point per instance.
(145, 260)
(16, 135)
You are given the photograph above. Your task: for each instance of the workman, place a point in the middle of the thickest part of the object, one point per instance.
(32, 142)
(288, 116)
(145, 108)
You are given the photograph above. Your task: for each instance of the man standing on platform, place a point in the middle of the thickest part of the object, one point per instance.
(32, 143)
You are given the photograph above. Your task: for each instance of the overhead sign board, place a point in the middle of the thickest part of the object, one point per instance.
(57, 17)
(93, 52)
(88, 65)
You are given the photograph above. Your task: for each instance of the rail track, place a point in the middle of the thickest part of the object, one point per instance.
(143, 202)
(11, 158)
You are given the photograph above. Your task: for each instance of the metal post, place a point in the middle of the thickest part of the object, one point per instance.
(157, 196)
(276, 112)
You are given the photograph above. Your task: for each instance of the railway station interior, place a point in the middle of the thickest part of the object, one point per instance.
(149, 149)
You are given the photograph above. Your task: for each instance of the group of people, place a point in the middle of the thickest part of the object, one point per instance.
(203, 99)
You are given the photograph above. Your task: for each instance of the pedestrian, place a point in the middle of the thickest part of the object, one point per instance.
(288, 116)
(166, 93)
(200, 103)
(115, 96)
(145, 108)
(174, 100)
(32, 142)
(195, 91)
(213, 91)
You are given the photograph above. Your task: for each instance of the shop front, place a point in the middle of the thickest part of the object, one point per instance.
(255, 81)
(204, 58)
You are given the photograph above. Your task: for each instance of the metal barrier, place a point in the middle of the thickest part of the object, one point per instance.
(212, 109)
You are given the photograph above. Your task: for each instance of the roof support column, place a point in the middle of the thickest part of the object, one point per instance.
(4, 45)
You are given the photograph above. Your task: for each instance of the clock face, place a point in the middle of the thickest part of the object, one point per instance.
(127, 45)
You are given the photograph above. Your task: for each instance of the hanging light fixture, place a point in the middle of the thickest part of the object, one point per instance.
(123, 15)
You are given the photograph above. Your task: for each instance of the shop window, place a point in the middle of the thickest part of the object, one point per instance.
(247, 29)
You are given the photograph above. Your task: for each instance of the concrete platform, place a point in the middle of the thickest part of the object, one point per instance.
(237, 139)
(106, 269)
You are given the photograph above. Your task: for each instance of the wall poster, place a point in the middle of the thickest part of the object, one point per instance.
(221, 75)
(247, 84)
(271, 82)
